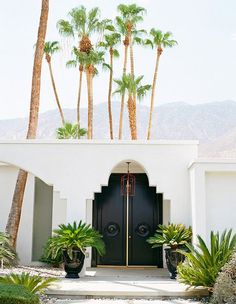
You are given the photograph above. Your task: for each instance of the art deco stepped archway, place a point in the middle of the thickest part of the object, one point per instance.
(127, 218)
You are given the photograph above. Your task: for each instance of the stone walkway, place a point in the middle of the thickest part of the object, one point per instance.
(130, 301)
(123, 283)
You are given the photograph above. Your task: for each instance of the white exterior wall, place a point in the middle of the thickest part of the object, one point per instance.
(220, 201)
(213, 195)
(8, 175)
(79, 169)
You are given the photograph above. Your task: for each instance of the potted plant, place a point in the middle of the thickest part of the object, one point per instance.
(72, 240)
(173, 237)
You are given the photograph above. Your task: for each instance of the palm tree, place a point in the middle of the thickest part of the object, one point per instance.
(160, 41)
(93, 59)
(130, 15)
(16, 207)
(81, 26)
(132, 86)
(78, 61)
(51, 48)
(109, 43)
(70, 131)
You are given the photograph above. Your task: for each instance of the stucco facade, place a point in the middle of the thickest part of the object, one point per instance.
(195, 192)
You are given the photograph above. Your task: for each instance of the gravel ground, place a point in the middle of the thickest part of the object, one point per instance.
(46, 272)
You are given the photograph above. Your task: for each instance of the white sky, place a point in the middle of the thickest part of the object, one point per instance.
(201, 68)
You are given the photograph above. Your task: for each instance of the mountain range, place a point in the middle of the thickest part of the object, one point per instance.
(213, 124)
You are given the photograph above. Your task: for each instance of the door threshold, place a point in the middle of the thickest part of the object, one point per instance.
(128, 267)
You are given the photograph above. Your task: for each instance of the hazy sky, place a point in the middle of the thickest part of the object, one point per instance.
(201, 68)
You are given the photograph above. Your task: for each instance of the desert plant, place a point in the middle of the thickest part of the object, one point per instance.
(34, 284)
(47, 257)
(172, 235)
(16, 294)
(75, 237)
(224, 290)
(204, 263)
(8, 256)
(70, 131)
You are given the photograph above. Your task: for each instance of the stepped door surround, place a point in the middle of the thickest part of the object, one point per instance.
(127, 222)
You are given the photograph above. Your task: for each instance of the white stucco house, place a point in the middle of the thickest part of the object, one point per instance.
(73, 180)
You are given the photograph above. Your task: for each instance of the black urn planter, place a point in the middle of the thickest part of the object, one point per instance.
(173, 258)
(73, 266)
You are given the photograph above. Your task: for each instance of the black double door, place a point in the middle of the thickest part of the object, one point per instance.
(125, 231)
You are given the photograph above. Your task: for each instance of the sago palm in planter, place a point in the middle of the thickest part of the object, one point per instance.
(72, 240)
(172, 237)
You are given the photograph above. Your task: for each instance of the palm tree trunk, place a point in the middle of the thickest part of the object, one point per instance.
(132, 72)
(131, 54)
(79, 94)
(132, 117)
(109, 93)
(55, 93)
(90, 102)
(123, 96)
(153, 93)
(13, 222)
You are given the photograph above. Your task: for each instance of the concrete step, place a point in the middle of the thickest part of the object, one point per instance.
(111, 287)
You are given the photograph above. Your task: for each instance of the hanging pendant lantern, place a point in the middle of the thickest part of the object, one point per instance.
(128, 183)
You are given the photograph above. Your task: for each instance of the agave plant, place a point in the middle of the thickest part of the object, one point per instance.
(8, 256)
(33, 284)
(172, 235)
(204, 263)
(75, 237)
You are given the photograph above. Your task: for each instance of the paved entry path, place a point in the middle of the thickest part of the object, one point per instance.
(123, 286)
(114, 301)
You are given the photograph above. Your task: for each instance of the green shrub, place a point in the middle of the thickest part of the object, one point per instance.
(8, 256)
(224, 290)
(16, 294)
(172, 235)
(75, 236)
(34, 284)
(48, 256)
(203, 265)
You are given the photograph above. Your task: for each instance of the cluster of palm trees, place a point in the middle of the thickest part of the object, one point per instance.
(84, 25)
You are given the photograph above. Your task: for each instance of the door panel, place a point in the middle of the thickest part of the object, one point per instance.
(109, 217)
(142, 223)
(111, 223)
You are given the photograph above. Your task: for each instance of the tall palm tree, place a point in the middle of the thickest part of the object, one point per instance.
(109, 43)
(91, 61)
(81, 26)
(13, 222)
(160, 41)
(78, 61)
(51, 48)
(132, 86)
(130, 15)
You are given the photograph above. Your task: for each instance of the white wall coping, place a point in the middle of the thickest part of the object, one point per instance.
(212, 161)
(100, 142)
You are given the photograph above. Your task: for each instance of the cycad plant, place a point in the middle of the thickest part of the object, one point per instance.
(172, 235)
(109, 43)
(204, 263)
(132, 86)
(34, 284)
(76, 236)
(50, 48)
(8, 255)
(159, 41)
(70, 131)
